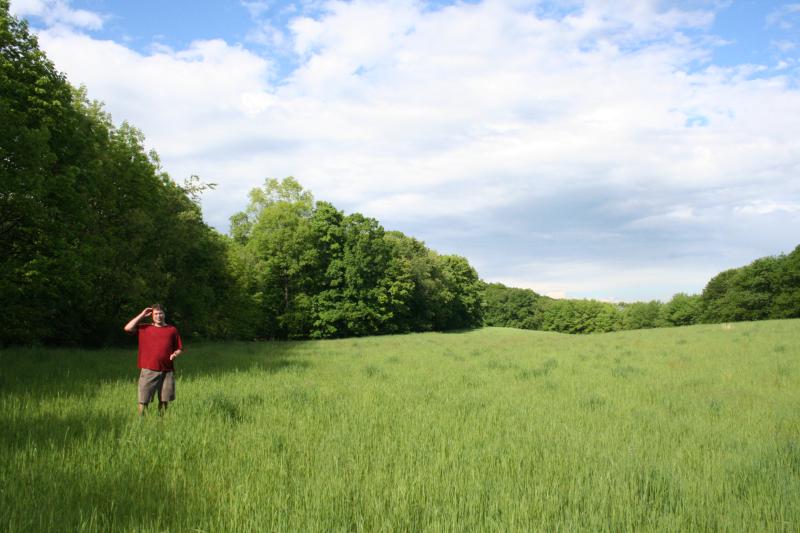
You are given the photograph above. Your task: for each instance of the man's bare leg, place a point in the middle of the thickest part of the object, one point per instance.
(142, 408)
(162, 407)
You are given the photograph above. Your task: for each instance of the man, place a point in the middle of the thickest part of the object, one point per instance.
(159, 345)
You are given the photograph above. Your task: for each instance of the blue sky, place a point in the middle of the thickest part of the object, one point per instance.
(624, 150)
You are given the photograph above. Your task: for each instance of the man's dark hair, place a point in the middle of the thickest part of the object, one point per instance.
(159, 307)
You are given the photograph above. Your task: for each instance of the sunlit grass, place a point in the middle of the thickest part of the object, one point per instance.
(685, 429)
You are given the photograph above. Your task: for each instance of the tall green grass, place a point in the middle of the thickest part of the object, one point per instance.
(686, 429)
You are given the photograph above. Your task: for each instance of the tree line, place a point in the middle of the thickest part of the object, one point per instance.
(308, 270)
(92, 229)
(767, 288)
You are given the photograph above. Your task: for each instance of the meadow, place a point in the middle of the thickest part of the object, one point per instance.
(680, 429)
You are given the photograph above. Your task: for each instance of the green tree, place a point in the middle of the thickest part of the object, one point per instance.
(512, 307)
(786, 303)
(37, 180)
(745, 293)
(276, 256)
(366, 287)
(580, 316)
(681, 310)
(713, 295)
(459, 299)
(416, 261)
(641, 315)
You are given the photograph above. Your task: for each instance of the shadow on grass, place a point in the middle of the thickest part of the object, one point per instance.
(42, 373)
(458, 331)
(127, 491)
(52, 431)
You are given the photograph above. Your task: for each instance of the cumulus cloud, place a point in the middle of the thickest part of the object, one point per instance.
(504, 117)
(55, 12)
(189, 102)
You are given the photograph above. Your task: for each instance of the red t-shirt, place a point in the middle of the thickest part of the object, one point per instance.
(156, 344)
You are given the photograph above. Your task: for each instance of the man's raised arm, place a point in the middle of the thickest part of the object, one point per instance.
(130, 327)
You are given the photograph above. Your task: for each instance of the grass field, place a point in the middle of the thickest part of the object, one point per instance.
(686, 429)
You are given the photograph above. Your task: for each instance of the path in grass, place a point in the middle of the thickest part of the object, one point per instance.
(692, 428)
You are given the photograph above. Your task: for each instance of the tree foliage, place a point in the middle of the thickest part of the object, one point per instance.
(513, 308)
(315, 272)
(768, 288)
(682, 310)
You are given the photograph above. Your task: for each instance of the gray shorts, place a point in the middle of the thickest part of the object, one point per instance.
(151, 381)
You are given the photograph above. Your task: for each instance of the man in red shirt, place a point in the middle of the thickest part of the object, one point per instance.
(159, 345)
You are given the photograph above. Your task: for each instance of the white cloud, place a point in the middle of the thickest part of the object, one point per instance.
(187, 102)
(407, 114)
(54, 12)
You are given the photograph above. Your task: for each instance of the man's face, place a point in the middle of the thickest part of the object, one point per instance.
(158, 317)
